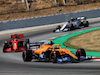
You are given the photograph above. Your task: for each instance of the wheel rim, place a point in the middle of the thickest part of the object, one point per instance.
(24, 56)
(53, 57)
(78, 55)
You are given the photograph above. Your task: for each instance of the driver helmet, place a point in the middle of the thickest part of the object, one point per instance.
(68, 21)
(54, 47)
(58, 26)
(72, 19)
(48, 42)
(15, 39)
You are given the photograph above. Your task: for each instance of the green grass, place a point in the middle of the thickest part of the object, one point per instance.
(68, 43)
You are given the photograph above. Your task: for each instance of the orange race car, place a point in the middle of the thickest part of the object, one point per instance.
(49, 52)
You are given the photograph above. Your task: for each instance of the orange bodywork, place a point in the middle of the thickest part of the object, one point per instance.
(66, 51)
(63, 51)
(43, 48)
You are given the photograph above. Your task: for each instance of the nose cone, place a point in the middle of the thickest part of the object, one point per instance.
(14, 46)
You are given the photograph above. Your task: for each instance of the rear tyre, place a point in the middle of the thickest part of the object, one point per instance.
(87, 24)
(27, 55)
(25, 43)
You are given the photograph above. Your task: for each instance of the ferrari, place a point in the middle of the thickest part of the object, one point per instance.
(16, 44)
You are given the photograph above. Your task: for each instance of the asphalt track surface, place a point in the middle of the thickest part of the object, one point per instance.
(12, 63)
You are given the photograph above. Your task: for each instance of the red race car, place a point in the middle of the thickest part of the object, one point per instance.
(16, 44)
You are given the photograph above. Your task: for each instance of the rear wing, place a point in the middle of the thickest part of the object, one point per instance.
(34, 46)
(81, 18)
(17, 36)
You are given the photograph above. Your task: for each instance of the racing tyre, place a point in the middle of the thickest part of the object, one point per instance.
(80, 52)
(25, 43)
(19, 45)
(54, 55)
(27, 55)
(5, 47)
(54, 31)
(72, 27)
(87, 24)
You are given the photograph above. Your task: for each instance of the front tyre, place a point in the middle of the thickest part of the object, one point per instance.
(54, 31)
(71, 27)
(80, 52)
(87, 24)
(5, 46)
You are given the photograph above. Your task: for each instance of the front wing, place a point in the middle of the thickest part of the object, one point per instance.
(12, 50)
